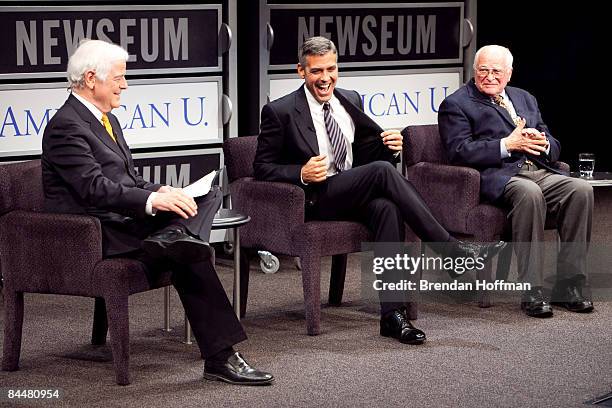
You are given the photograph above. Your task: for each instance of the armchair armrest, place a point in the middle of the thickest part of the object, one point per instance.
(451, 192)
(562, 166)
(275, 210)
(48, 252)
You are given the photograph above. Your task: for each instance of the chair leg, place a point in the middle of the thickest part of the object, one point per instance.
(504, 258)
(484, 296)
(118, 324)
(412, 304)
(311, 282)
(336, 282)
(100, 323)
(413, 310)
(13, 325)
(245, 260)
(504, 261)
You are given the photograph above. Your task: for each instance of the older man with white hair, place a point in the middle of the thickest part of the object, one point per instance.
(498, 130)
(88, 169)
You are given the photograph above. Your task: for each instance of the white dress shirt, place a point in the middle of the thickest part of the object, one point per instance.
(345, 123)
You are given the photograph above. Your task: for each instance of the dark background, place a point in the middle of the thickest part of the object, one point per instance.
(559, 53)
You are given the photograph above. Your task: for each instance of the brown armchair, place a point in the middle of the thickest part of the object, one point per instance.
(61, 254)
(278, 225)
(453, 195)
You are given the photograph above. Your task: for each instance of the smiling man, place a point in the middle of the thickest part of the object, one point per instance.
(498, 130)
(88, 169)
(319, 138)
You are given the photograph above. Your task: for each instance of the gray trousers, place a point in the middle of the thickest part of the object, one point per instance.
(537, 198)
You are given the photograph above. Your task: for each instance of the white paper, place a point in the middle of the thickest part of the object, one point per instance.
(200, 187)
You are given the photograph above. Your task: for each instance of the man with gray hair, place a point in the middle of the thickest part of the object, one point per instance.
(499, 130)
(88, 169)
(319, 138)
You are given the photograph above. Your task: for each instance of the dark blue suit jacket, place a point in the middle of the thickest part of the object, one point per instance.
(85, 172)
(471, 127)
(287, 139)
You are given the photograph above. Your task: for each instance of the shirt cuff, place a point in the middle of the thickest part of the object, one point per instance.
(149, 210)
(301, 179)
(503, 150)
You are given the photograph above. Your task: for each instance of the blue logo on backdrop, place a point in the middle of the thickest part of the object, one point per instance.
(24, 123)
(190, 111)
(404, 102)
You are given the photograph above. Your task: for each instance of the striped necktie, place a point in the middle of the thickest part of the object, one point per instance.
(108, 127)
(337, 139)
(500, 101)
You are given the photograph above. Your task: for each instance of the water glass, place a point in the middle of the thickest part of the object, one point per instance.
(586, 165)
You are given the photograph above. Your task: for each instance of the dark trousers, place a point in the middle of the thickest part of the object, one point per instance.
(535, 195)
(380, 197)
(214, 324)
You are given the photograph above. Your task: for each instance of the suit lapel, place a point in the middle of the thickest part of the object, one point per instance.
(96, 126)
(479, 97)
(517, 101)
(303, 120)
(360, 118)
(121, 143)
(103, 135)
(505, 114)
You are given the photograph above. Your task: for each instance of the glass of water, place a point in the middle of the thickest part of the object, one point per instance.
(586, 164)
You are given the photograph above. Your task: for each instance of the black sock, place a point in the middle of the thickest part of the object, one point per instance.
(173, 227)
(222, 355)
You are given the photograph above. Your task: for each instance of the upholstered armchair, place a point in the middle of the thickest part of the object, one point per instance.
(278, 225)
(61, 254)
(451, 192)
(453, 195)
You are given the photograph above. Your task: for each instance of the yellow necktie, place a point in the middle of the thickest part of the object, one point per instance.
(108, 127)
(499, 100)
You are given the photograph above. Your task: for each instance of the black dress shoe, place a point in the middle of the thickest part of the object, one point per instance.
(396, 324)
(235, 371)
(464, 249)
(174, 243)
(534, 304)
(570, 297)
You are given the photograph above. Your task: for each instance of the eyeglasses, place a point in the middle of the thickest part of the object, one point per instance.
(484, 72)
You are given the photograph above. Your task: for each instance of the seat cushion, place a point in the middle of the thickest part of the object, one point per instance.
(486, 222)
(330, 237)
(127, 275)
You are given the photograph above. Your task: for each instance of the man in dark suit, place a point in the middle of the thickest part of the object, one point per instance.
(499, 130)
(88, 168)
(319, 138)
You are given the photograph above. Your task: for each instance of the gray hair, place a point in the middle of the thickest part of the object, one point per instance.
(495, 49)
(315, 46)
(93, 55)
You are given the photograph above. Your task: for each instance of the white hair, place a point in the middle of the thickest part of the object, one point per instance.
(495, 49)
(93, 55)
